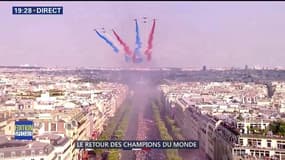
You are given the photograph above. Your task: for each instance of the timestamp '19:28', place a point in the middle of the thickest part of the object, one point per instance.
(22, 10)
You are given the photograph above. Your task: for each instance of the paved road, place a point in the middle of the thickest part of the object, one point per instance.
(142, 127)
(152, 133)
(131, 131)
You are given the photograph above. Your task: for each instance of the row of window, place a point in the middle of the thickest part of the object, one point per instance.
(281, 142)
(13, 155)
(252, 124)
(255, 142)
(256, 153)
(23, 154)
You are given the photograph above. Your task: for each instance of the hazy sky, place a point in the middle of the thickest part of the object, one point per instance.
(188, 34)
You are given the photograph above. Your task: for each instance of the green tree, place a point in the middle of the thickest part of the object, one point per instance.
(282, 130)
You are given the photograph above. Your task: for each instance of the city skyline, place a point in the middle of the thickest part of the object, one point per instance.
(188, 34)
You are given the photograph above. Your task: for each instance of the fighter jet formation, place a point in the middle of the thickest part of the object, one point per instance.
(117, 43)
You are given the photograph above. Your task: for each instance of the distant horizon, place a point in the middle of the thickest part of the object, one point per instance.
(188, 34)
(146, 67)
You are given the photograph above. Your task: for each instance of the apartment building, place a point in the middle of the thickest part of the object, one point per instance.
(216, 138)
(30, 150)
(260, 147)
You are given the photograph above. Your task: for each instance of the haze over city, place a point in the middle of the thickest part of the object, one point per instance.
(188, 34)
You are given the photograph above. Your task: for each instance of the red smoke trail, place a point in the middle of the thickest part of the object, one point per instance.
(148, 57)
(150, 39)
(126, 48)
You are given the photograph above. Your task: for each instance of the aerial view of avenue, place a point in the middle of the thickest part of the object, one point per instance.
(237, 118)
(81, 74)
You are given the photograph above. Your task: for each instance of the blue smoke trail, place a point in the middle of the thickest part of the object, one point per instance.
(116, 50)
(138, 40)
(127, 58)
(138, 58)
